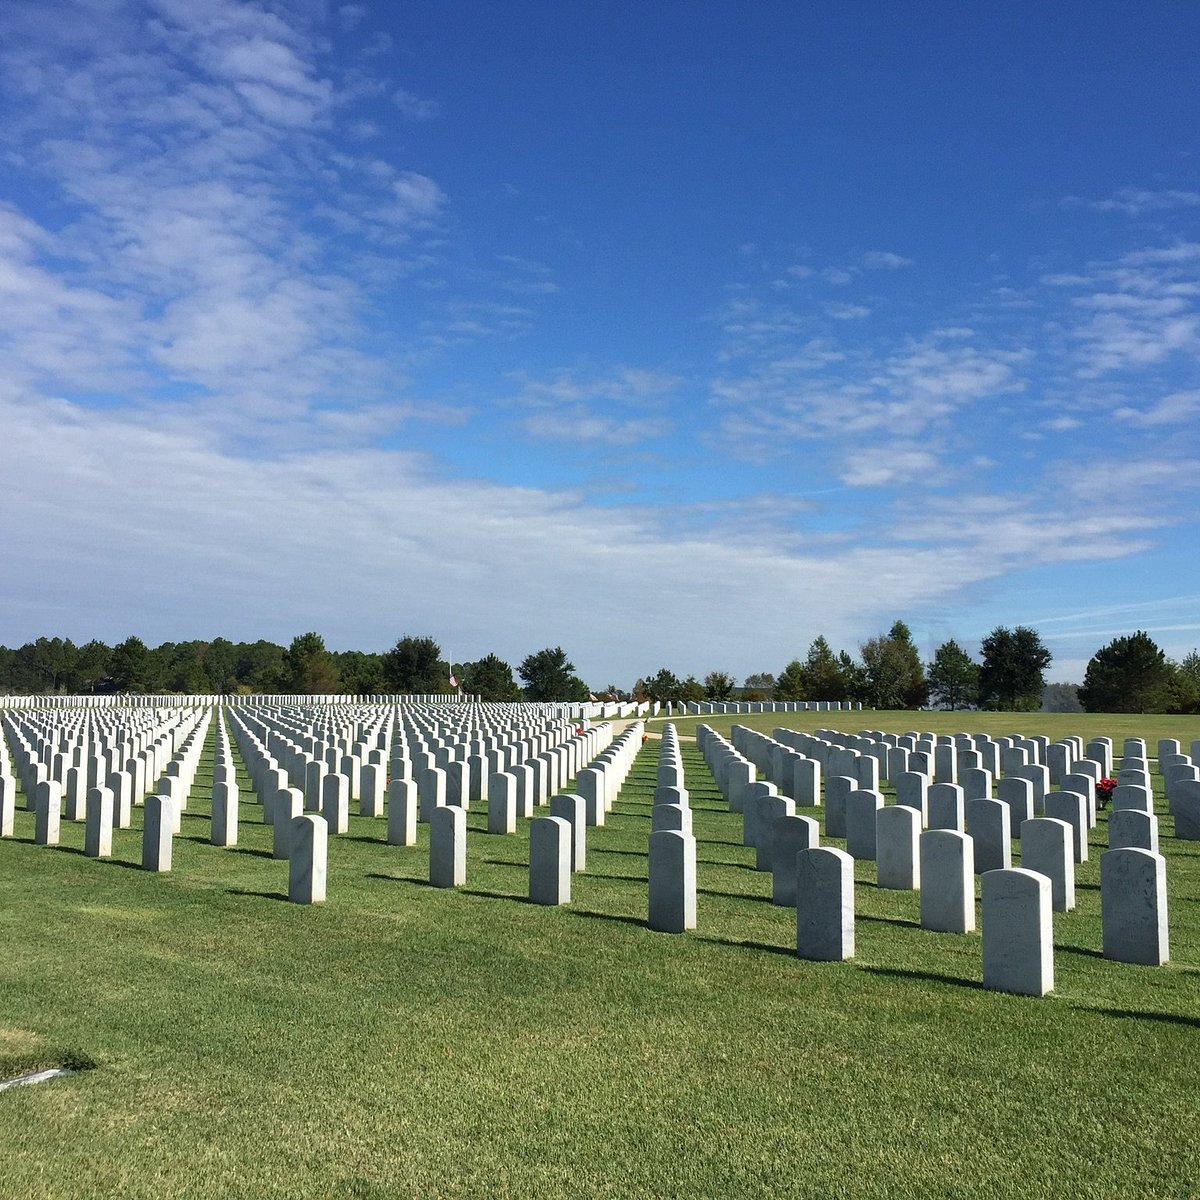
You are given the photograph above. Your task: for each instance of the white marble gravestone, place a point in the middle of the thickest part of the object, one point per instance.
(947, 881)
(448, 846)
(672, 881)
(1133, 906)
(1018, 934)
(824, 904)
(550, 860)
(308, 838)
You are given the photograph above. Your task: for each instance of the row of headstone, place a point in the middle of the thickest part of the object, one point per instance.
(1016, 907)
(1133, 876)
(671, 865)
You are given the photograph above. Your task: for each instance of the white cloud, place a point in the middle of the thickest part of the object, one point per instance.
(827, 395)
(415, 198)
(621, 408)
(880, 466)
(579, 424)
(1179, 408)
(1136, 202)
(883, 260)
(847, 312)
(1138, 310)
(415, 108)
(250, 549)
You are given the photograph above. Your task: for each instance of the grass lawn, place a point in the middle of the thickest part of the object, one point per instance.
(408, 1041)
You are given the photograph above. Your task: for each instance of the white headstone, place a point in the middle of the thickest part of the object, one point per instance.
(308, 838)
(1133, 906)
(1018, 935)
(824, 904)
(448, 846)
(672, 881)
(550, 860)
(947, 881)
(1046, 847)
(897, 830)
(402, 812)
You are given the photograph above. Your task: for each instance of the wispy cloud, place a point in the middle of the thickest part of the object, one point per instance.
(1136, 311)
(622, 408)
(201, 262)
(1179, 408)
(416, 108)
(838, 396)
(883, 260)
(1136, 202)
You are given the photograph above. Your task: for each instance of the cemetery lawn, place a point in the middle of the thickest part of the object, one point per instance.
(407, 1041)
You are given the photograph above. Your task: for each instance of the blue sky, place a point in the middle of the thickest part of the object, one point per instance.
(674, 334)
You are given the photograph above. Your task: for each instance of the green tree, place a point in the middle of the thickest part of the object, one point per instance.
(1012, 675)
(53, 662)
(824, 676)
(895, 677)
(760, 679)
(758, 685)
(491, 679)
(361, 673)
(1185, 684)
(184, 670)
(792, 683)
(131, 666)
(953, 677)
(8, 671)
(1129, 675)
(549, 675)
(1061, 697)
(691, 690)
(220, 665)
(309, 666)
(854, 676)
(261, 666)
(663, 687)
(91, 672)
(414, 664)
(718, 685)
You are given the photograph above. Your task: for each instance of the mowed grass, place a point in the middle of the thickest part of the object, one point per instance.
(403, 1040)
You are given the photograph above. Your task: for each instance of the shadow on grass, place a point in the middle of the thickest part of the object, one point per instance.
(732, 866)
(618, 878)
(599, 916)
(730, 895)
(745, 944)
(1137, 1015)
(519, 899)
(417, 879)
(121, 862)
(629, 853)
(929, 976)
(261, 895)
(505, 862)
(901, 921)
(358, 837)
(255, 853)
(1065, 949)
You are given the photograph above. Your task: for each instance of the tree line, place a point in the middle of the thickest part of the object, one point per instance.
(1130, 674)
(414, 665)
